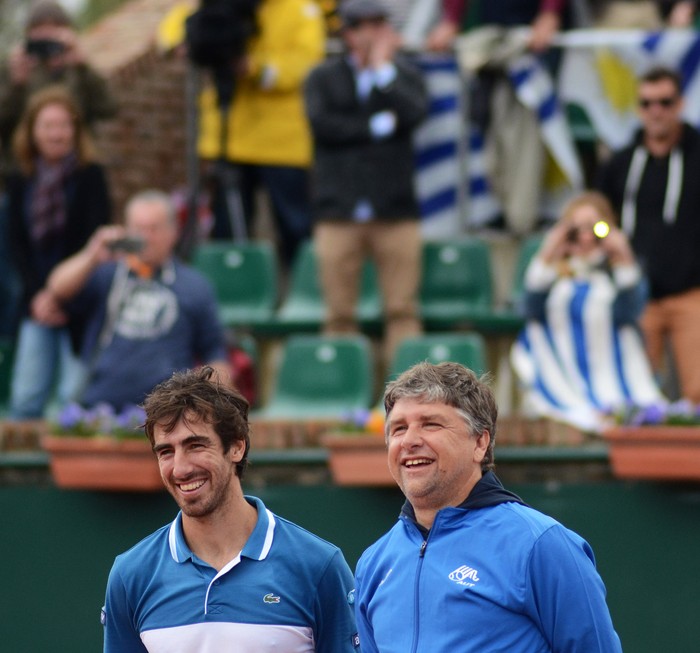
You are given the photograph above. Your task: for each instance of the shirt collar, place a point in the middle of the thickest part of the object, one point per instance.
(256, 548)
(165, 274)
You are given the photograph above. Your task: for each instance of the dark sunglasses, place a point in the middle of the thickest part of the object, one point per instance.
(665, 102)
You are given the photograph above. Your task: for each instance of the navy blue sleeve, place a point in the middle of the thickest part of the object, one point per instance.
(629, 303)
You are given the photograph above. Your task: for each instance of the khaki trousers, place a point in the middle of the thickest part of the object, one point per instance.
(396, 247)
(677, 318)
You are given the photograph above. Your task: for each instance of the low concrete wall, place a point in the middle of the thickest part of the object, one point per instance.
(57, 548)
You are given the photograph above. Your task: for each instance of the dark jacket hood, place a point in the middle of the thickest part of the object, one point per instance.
(488, 491)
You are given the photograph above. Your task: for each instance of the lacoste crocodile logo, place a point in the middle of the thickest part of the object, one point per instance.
(271, 598)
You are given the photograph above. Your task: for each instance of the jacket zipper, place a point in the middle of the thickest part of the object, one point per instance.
(416, 624)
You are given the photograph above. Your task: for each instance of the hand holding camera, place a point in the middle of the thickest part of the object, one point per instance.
(112, 242)
(126, 244)
(53, 46)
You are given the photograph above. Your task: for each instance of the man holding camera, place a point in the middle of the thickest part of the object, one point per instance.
(141, 314)
(652, 183)
(49, 55)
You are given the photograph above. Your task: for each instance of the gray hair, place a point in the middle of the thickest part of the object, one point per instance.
(153, 196)
(454, 385)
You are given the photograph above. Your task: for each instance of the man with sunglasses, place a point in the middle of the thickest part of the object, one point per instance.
(653, 184)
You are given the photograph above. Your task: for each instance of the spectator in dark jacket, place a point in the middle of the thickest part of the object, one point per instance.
(363, 108)
(652, 183)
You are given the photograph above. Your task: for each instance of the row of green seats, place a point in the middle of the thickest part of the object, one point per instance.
(456, 288)
(332, 376)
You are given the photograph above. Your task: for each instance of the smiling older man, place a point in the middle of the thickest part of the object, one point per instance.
(469, 567)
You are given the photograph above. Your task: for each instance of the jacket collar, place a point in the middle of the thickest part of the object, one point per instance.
(488, 491)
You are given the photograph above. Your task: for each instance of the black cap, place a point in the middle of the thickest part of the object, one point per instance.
(353, 12)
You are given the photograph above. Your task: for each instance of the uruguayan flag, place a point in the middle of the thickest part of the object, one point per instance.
(577, 365)
(534, 88)
(452, 179)
(600, 69)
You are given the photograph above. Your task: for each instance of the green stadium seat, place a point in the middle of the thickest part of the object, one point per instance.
(467, 348)
(303, 307)
(244, 276)
(321, 377)
(456, 284)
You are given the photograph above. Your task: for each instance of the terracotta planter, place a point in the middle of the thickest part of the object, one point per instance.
(102, 463)
(358, 459)
(655, 452)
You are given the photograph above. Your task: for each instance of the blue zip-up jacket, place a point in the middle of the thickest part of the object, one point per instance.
(491, 575)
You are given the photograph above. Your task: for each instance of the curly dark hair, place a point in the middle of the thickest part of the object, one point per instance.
(197, 395)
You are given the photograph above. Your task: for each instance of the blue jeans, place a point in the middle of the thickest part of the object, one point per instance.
(43, 358)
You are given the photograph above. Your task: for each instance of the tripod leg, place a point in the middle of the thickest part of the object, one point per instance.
(236, 215)
(230, 180)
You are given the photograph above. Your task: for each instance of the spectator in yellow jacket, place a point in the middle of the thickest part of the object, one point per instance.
(267, 134)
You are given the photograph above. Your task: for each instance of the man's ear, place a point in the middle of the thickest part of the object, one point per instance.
(482, 445)
(237, 451)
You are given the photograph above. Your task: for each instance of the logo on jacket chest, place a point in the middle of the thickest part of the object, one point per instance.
(465, 575)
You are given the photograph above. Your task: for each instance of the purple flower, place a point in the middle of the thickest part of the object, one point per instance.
(102, 417)
(682, 412)
(72, 415)
(132, 417)
(681, 408)
(652, 414)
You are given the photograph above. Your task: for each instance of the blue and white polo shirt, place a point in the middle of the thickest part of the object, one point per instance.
(288, 590)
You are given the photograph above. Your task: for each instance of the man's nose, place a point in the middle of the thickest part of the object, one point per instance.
(181, 464)
(413, 436)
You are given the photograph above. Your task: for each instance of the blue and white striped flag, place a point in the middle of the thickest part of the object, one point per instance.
(441, 149)
(452, 179)
(577, 365)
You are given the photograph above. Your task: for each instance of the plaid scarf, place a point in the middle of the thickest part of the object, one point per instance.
(48, 202)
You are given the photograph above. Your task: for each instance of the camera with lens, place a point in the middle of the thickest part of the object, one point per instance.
(44, 49)
(600, 230)
(128, 244)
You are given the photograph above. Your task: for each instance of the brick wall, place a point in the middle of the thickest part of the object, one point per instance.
(145, 145)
